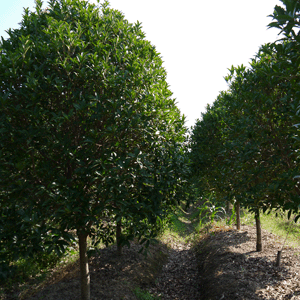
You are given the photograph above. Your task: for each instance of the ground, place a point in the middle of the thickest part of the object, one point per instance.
(230, 268)
(221, 264)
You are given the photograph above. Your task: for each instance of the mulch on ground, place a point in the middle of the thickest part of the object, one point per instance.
(221, 265)
(230, 267)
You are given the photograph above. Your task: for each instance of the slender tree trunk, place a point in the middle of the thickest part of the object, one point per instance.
(228, 207)
(187, 205)
(238, 216)
(118, 238)
(84, 267)
(278, 259)
(258, 231)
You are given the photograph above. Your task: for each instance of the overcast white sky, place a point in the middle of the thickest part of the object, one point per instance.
(198, 40)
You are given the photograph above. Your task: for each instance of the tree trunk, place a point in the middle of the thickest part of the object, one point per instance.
(228, 213)
(228, 207)
(278, 259)
(84, 267)
(238, 216)
(258, 231)
(187, 205)
(118, 238)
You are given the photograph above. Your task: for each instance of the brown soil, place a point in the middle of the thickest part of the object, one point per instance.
(112, 276)
(179, 278)
(221, 265)
(231, 269)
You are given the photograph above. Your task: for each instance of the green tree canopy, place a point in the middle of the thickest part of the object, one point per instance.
(89, 131)
(245, 141)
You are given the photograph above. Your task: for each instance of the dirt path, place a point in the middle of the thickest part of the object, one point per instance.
(169, 272)
(220, 265)
(179, 279)
(231, 269)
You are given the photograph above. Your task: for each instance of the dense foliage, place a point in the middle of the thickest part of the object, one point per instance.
(89, 132)
(245, 147)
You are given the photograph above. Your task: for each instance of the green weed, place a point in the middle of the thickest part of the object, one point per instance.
(177, 223)
(31, 268)
(280, 225)
(144, 295)
(276, 223)
(209, 212)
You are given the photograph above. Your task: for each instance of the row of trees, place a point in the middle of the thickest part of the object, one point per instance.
(93, 145)
(91, 141)
(245, 147)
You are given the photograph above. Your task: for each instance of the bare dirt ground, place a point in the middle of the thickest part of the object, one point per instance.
(112, 277)
(219, 266)
(231, 269)
(179, 277)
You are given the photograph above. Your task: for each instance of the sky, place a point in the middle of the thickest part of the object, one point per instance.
(198, 40)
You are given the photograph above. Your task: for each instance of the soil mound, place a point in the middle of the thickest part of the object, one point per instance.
(112, 276)
(231, 269)
(221, 265)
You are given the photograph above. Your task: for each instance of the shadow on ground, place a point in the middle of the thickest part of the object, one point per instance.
(230, 269)
(112, 277)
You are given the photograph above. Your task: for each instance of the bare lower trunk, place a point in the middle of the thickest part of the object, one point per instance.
(278, 259)
(228, 212)
(238, 216)
(118, 238)
(228, 207)
(258, 232)
(187, 205)
(84, 267)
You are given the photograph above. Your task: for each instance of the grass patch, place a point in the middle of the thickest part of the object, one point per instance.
(27, 273)
(281, 226)
(32, 274)
(144, 295)
(178, 223)
(206, 217)
(179, 227)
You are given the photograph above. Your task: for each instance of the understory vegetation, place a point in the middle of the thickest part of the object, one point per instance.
(202, 218)
(95, 153)
(245, 147)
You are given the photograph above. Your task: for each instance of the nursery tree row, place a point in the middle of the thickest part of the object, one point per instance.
(91, 139)
(245, 146)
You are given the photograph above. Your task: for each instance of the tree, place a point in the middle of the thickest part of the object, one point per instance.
(89, 133)
(210, 157)
(286, 18)
(253, 158)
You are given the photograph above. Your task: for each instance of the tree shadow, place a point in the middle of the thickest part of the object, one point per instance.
(112, 276)
(179, 278)
(235, 275)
